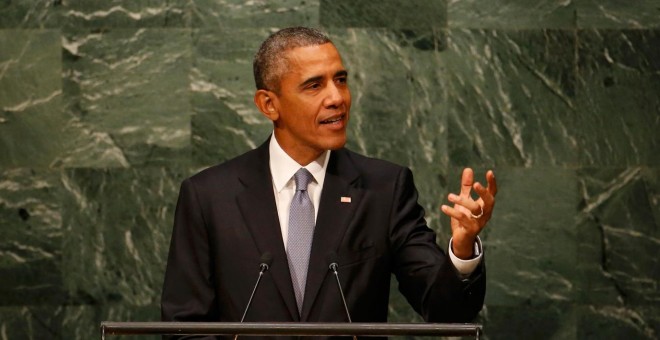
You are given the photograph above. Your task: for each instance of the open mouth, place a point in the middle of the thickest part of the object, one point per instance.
(333, 120)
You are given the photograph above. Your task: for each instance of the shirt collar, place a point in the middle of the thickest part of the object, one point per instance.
(283, 167)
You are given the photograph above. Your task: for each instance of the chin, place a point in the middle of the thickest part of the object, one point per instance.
(336, 144)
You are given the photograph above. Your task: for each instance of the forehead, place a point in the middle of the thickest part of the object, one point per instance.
(313, 60)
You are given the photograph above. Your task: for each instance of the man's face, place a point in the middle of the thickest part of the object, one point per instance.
(313, 102)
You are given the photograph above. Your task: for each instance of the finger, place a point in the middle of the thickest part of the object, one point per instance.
(466, 182)
(468, 203)
(458, 215)
(492, 183)
(463, 220)
(484, 194)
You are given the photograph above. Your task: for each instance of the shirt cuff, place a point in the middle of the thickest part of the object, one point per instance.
(466, 267)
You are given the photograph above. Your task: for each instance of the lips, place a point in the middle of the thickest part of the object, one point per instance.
(333, 120)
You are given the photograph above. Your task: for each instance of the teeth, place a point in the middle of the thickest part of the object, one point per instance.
(331, 120)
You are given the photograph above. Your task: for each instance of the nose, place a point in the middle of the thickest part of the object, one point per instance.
(334, 96)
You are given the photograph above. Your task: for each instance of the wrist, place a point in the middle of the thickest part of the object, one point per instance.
(463, 249)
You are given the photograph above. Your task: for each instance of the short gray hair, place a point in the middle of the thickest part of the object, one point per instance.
(269, 62)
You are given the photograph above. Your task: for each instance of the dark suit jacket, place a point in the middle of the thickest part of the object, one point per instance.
(226, 218)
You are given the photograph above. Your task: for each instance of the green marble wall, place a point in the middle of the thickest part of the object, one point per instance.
(107, 105)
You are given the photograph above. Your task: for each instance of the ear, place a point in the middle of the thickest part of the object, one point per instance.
(266, 101)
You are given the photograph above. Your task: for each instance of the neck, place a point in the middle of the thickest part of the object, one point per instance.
(302, 154)
(302, 157)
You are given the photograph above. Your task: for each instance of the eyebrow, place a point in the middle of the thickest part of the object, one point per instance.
(342, 73)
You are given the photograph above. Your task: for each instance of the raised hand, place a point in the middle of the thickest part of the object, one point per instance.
(469, 217)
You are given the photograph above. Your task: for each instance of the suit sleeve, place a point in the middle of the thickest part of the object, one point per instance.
(425, 273)
(188, 293)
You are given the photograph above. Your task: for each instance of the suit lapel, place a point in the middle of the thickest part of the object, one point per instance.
(334, 216)
(257, 205)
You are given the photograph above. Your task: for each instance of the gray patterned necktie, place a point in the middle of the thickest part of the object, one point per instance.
(301, 230)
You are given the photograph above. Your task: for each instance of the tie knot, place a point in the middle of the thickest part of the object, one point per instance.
(302, 178)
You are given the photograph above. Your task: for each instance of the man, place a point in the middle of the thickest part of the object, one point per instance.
(358, 212)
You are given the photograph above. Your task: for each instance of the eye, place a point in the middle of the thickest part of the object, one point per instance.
(313, 86)
(341, 80)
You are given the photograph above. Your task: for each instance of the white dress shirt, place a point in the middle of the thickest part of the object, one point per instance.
(283, 167)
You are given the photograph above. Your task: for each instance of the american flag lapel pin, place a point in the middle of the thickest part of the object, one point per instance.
(345, 199)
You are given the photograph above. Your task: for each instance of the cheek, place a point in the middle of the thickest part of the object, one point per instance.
(347, 97)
